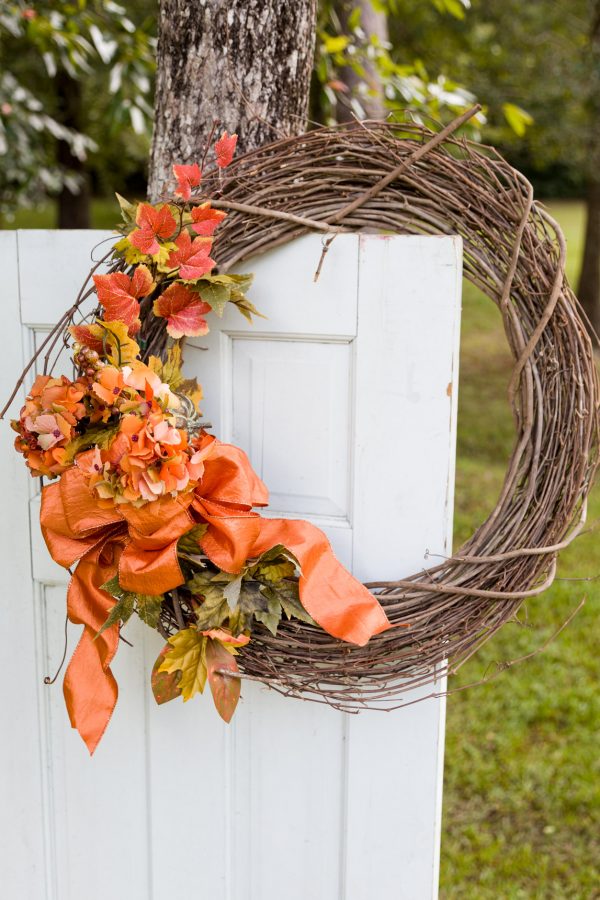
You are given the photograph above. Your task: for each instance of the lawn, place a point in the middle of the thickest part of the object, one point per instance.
(522, 775)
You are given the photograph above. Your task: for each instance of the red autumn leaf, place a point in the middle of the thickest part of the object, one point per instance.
(83, 335)
(225, 690)
(154, 222)
(192, 257)
(225, 148)
(184, 311)
(165, 685)
(119, 294)
(206, 219)
(187, 178)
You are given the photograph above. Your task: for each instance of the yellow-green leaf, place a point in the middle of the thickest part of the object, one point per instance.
(188, 656)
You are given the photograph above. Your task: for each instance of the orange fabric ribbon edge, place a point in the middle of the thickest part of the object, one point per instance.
(141, 546)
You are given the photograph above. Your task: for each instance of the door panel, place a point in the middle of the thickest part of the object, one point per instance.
(344, 397)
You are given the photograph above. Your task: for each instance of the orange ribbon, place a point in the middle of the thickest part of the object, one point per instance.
(141, 546)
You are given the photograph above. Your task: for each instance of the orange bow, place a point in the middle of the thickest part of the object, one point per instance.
(141, 546)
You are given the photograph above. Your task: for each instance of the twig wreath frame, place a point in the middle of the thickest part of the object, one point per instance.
(410, 180)
(371, 176)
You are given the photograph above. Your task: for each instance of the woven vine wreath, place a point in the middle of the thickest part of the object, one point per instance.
(403, 179)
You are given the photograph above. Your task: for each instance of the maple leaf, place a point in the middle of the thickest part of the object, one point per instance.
(205, 219)
(192, 257)
(183, 310)
(119, 295)
(187, 178)
(187, 654)
(225, 148)
(154, 222)
(83, 334)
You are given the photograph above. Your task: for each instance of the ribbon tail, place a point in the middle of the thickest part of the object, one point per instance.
(89, 686)
(339, 603)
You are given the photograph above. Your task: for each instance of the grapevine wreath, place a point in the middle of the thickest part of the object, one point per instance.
(155, 516)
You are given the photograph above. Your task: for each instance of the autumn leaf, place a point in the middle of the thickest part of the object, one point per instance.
(192, 257)
(193, 390)
(155, 222)
(165, 685)
(225, 689)
(119, 295)
(183, 310)
(225, 148)
(205, 219)
(83, 334)
(169, 370)
(117, 346)
(187, 654)
(187, 178)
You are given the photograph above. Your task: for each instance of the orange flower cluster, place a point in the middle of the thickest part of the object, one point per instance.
(148, 458)
(48, 423)
(138, 455)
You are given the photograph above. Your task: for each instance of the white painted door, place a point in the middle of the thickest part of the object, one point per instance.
(344, 398)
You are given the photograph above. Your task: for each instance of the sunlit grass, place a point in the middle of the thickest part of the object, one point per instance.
(522, 774)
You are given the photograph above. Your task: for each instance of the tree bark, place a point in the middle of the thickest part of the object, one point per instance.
(246, 63)
(372, 22)
(589, 280)
(73, 208)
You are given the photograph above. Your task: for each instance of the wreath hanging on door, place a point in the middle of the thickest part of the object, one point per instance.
(159, 516)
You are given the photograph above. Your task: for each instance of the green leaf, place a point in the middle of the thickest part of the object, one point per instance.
(121, 612)
(232, 592)
(190, 541)
(98, 436)
(271, 616)
(216, 295)
(335, 43)
(517, 118)
(128, 210)
(147, 606)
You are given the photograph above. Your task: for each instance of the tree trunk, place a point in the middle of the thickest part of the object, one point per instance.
(73, 208)
(372, 22)
(589, 280)
(246, 63)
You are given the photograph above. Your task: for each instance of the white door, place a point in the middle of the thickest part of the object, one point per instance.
(345, 400)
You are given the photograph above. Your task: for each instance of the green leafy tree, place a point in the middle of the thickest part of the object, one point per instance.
(54, 56)
(361, 72)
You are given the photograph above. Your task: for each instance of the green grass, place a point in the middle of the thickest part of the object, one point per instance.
(105, 214)
(522, 774)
